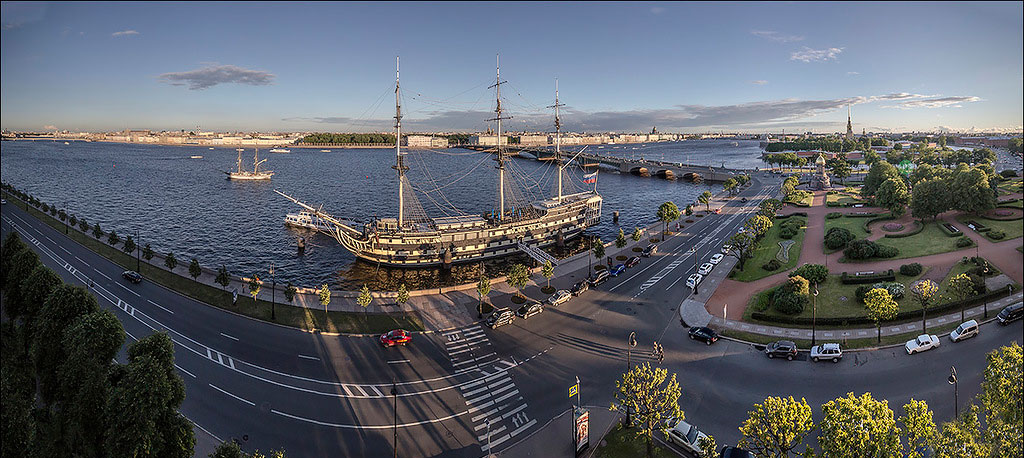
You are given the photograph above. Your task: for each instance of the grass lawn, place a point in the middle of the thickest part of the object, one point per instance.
(299, 317)
(1010, 186)
(1013, 229)
(931, 240)
(1017, 204)
(848, 197)
(769, 247)
(806, 201)
(847, 344)
(624, 443)
(853, 224)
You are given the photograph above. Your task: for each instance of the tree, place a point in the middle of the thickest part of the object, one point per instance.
(548, 270)
(598, 249)
(961, 287)
(652, 398)
(963, 438)
(705, 198)
(620, 240)
(22, 265)
(194, 270)
(147, 253)
(83, 224)
(364, 298)
(859, 426)
(919, 427)
(517, 277)
(776, 427)
(877, 174)
(893, 195)
(769, 207)
(758, 225)
(667, 212)
(325, 299)
(881, 307)
(924, 291)
(36, 289)
(689, 209)
(729, 186)
(839, 168)
(129, 245)
(403, 294)
(231, 449)
(289, 292)
(483, 288)
(814, 273)
(637, 234)
(113, 239)
(741, 246)
(97, 232)
(930, 198)
(170, 261)
(707, 446)
(11, 247)
(788, 187)
(62, 308)
(970, 190)
(223, 277)
(254, 286)
(1002, 400)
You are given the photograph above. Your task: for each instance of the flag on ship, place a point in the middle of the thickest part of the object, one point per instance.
(590, 178)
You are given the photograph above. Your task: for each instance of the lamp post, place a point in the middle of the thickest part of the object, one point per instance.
(65, 217)
(952, 381)
(138, 251)
(590, 253)
(394, 428)
(273, 291)
(814, 314)
(985, 274)
(695, 268)
(632, 343)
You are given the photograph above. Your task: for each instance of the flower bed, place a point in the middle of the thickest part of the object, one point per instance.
(892, 227)
(950, 229)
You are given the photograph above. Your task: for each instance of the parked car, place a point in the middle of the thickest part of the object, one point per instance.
(743, 199)
(651, 249)
(599, 278)
(559, 297)
(693, 280)
(703, 334)
(1011, 313)
(705, 268)
(726, 248)
(132, 276)
(396, 337)
(923, 342)
(686, 436)
(530, 309)
(965, 331)
(580, 287)
(633, 262)
(829, 351)
(500, 317)
(734, 452)
(618, 269)
(716, 258)
(782, 349)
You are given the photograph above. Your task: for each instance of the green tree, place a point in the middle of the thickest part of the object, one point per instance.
(403, 294)
(231, 449)
(12, 245)
(194, 270)
(651, 397)
(147, 253)
(707, 447)
(970, 190)
(839, 168)
(548, 270)
(223, 277)
(1002, 400)
(62, 308)
(964, 438)
(289, 292)
(689, 209)
(620, 240)
(255, 285)
(97, 232)
(758, 225)
(705, 198)
(129, 245)
(919, 428)
(364, 298)
(170, 261)
(961, 287)
(667, 212)
(598, 249)
(637, 234)
(483, 288)
(517, 277)
(859, 426)
(881, 307)
(930, 198)
(729, 186)
(36, 289)
(113, 239)
(769, 207)
(776, 427)
(814, 273)
(741, 246)
(879, 172)
(22, 265)
(83, 224)
(325, 300)
(893, 195)
(924, 291)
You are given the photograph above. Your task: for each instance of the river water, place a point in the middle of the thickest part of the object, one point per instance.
(187, 206)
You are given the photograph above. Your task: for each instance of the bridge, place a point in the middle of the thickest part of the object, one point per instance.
(639, 167)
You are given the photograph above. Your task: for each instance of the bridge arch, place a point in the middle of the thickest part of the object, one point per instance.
(693, 176)
(667, 174)
(641, 171)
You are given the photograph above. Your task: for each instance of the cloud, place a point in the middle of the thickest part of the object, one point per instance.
(815, 55)
(49, 127)
(213, 75)
(124, 33)
(657, 10)
(759, 82)
(776, 36)
(852, 73)
(936, 102)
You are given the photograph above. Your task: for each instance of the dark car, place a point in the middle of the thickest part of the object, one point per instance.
(618, 269)
(651, 249)
(500, 317)
(743, 199)
(782, 349)
(734, 452)
(633, 262)
(579, 287)
(1011, 313)
(396, 337)
(132, 276)
(530, 309)
(599, 278)
(703, 334)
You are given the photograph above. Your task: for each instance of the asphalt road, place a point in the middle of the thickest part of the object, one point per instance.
(272, 387)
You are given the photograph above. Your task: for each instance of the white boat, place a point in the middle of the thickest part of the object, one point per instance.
(66, 143)
(255, 174)
(195, 157)
(280, 150)
(211, 147)
(308, 220)
(325, 151)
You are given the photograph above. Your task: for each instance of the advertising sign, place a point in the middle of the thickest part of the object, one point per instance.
(582, 430)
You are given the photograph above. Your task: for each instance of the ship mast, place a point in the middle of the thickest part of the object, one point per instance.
(500, 157)
(399, 164)
(558, 140)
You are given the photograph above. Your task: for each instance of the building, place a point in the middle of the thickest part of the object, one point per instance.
(487, 140)
(849, 123)
(425, 141)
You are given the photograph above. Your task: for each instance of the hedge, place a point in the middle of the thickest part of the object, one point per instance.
(863, 215)
(804, 214)
(920, 227)
(880, 218)
(847, 279)
(948, 232)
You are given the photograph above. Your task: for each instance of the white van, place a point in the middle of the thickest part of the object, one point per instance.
(966, 330)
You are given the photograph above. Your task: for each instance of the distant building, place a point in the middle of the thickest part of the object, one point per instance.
(487, 140)
(849, 123)
(425, 141)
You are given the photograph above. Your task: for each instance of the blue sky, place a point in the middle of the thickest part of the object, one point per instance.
(683, 67)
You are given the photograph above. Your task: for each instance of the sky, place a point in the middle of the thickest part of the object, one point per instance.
(620, 67)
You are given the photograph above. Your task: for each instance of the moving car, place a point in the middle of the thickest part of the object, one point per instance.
(618, 269)
(1011, 313)
(829, 351)
(705, 268)
(716, 258)
(782, 349)
(734, 452)
(743, 199)
(132, 276)
(965, 331)
(703, 334)
(530, 309)
(559, 297)
(599, 278)
(500, 317)
(693, 280)
(651, 249)
(580, 287)
(923, 342)
(686, 436)
(633, 261)
(396, 337)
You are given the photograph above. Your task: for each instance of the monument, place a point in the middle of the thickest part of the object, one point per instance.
(820, 180)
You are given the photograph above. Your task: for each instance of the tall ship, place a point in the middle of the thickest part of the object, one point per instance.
(255, 174)
(412, 239)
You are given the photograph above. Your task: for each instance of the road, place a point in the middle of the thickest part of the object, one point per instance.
(273, 387)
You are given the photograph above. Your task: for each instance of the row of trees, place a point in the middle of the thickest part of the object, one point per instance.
(743, 244)
(830, 144)
(325, 137)
(851, 426)
(931, 190)
(733, 184)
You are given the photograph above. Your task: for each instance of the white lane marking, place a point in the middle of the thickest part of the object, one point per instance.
(232, 395)
(185, 371)
(161, 307)
(387, 426)
(51, 240)
(509, 395)
(65, 249)
(491, 434)
(522, 428)
(674, 283)
(494, 443)
(314, 358)
(474, 359)
(126, 289)
(513, 411)
(376, 391)
(483, 388)
(82, 261)
(484, 415)
(398, 361)
(206, 431)
(452, 353)
(103, 274)
(230, 337)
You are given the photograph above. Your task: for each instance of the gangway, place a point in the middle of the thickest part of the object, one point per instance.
(537, 254)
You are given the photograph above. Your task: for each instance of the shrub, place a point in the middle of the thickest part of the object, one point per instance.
(911, 270)
(860, 249)
(847, 279)
(862, 291)
(838, 237)
(1008, 173)
(834, 215)
(771, 265)
(995, 234)
(797, 285)
(787, 232)
(896, 290)
(964, 242)
(789, 303)
(886, 251)
(764, 301)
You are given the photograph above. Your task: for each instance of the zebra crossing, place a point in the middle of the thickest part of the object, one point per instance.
(498, 409)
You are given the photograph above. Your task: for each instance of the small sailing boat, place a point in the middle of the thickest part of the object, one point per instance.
(255, 174)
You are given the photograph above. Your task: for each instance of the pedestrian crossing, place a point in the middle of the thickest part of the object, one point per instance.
(498, 409)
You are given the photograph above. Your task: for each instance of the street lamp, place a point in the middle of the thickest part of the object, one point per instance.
(273, 291)
(985, 274)
(814, 314)
(394, 394)
(138, 252)
(694, 251)
(66, 217)
(952, 381)
(629, 366)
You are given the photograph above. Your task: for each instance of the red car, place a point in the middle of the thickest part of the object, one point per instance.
(396, 337)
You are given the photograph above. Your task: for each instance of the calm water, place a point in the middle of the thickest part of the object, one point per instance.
(186, 206)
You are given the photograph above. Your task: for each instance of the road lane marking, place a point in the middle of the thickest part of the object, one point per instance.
(126, 289)
(674, 283)
(314, 358)
(103, 274)
(185, 371)
(232, 395)
(387, 426)
(82, 261)
(230, 337)
(397, 361)
(491, 434)
(161, 307)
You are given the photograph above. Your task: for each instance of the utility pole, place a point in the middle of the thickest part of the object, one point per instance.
(629, 367)
(138, 251)
(273, 291)
(952, 381)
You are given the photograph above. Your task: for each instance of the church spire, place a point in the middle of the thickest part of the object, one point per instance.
(849, 123)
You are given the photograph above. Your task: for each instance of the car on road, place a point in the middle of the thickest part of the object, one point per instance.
(686, 436)
(559, 297)
(743, 199)
(726, 248)
(500, 317)
(1011, 313)
(705, 268)
(734, 452)
(599, 278)
(3, 201)
(693, 280)
(618, 269)
(781, 349)
(580, 287)
(716, 258)
(132, 276)
(530, 309)
(703, 334)
(650, 250)
(923, 342)
(395, 337)
(965, 331)
(633, 262)
(829, 351)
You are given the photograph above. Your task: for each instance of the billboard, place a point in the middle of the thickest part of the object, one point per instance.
(581, 434)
